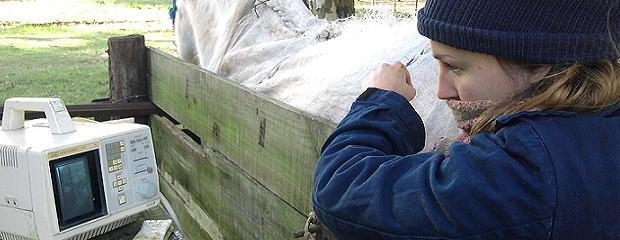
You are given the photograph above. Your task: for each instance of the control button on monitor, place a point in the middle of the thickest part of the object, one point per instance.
(140, 168)
(147, 190)
(121, 199)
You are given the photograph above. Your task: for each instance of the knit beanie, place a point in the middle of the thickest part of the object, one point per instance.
(532, 31)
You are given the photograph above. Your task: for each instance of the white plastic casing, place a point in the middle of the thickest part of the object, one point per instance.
(27, 202)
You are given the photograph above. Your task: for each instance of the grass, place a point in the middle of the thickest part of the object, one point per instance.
(67, 61)
(140, 4)
(404, 8)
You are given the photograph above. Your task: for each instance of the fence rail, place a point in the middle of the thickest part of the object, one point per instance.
(403, 6)
(104, 111)
(248, 173)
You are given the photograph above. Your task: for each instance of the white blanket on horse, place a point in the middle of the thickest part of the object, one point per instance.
(278, 48)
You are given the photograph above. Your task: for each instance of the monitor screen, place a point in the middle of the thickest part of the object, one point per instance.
(78, 188)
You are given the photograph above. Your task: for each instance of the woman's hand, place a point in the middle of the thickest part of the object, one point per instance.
(393, 77)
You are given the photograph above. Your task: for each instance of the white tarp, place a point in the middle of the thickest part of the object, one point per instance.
(281, 50)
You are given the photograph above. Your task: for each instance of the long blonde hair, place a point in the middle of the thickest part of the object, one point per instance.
(583, 88)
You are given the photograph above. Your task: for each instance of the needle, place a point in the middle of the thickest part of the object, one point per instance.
(416, 57)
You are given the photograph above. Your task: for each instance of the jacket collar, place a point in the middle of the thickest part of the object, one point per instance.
(502, 120)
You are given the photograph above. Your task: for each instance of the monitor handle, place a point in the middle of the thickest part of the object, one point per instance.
(55, 112)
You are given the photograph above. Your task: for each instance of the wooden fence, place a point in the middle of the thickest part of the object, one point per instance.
(401, 6)
(245, 172)
(234, 164)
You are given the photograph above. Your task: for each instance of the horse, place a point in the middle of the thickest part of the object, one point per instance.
(278, 48)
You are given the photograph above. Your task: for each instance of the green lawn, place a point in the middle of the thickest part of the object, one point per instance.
(68, 61)
(164, 4)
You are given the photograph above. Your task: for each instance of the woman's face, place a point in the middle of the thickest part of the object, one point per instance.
(471, 76)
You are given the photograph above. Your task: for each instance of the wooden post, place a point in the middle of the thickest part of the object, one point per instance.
(127, 69)
(332, 9)
(345, 8)
(394, 7)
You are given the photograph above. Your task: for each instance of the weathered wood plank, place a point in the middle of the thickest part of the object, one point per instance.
(213, 197)
(127, 68)
(103, 110)
(275, 143)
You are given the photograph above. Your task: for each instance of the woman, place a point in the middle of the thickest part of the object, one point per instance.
(537, 87)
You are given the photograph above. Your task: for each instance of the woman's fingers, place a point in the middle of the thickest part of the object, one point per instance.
(393, 77)
(399, 64)
(408, 77)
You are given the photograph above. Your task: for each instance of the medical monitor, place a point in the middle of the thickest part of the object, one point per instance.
(62, 179)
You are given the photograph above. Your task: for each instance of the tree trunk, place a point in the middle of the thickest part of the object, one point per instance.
(331, 9)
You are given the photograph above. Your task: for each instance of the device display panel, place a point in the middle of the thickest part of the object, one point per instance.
(78, 188)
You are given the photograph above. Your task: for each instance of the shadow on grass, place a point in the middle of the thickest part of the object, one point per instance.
(140, 4)
(65, 63)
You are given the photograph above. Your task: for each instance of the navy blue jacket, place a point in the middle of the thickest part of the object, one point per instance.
(540, 175)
